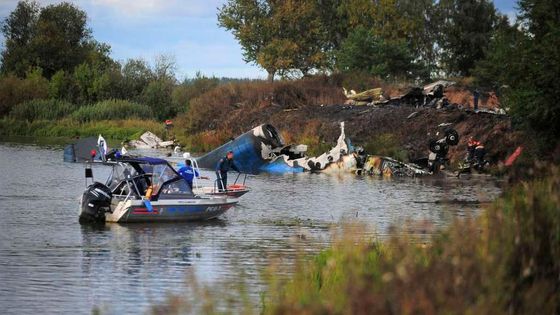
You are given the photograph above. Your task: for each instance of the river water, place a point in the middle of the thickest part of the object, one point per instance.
(50, 264)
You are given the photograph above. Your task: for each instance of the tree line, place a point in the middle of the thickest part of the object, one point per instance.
(50, 54)
(398, 39)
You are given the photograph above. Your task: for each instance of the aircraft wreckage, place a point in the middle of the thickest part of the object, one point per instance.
(262, 149)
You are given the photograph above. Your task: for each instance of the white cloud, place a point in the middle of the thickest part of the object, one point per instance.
(128, 8)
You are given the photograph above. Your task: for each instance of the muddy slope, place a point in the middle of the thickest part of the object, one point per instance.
(364, 123)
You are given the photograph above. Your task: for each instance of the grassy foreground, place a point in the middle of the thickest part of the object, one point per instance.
(506, 261)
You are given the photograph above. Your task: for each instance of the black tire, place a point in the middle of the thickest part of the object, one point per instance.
(451, 137)
(436, 146)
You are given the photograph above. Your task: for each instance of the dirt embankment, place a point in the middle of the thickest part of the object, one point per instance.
(413, 134)
(300, 112)
(366, 123)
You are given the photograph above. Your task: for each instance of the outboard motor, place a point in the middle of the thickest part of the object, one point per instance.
(96, 201)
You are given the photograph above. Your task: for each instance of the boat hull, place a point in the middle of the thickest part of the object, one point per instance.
(135, 211)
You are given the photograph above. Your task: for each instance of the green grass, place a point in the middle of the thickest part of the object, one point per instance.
(42, 109)
(115, 129)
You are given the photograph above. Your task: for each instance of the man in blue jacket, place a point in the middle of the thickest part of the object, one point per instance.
(188, 173)
(224, 165)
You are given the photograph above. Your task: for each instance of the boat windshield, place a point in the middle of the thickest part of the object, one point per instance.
(161, 177)
(117, 179)
(162, 173)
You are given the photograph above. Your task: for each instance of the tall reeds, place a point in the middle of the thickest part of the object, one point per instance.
(42, 109)
(113, 110)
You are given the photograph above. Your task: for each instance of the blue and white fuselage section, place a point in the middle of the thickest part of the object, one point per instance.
(262, 149)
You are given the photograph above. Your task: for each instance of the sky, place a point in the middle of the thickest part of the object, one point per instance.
(186, 30)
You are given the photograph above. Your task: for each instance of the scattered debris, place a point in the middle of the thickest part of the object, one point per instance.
(442, 94)
(412, 115)
(436, 88)
(148, 140)
(373, 96)
(388, 167)
(263, 150)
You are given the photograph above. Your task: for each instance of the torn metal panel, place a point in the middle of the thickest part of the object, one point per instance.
(433, 88)
(252, 150)
(343, 147)
(372, 96)
(385, 166)
(347, 163)
(85, 149)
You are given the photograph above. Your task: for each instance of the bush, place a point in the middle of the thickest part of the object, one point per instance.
(50, 109)
(189, 89)
(112, 110)
(14, 90)
(506, 261)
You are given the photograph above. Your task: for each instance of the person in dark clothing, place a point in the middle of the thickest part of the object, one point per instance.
(188, 173)
(224, 165)
(476, 95)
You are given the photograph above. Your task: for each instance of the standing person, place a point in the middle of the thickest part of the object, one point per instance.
(475, 152)
(476, 95)
(224, 165)
(188, 173)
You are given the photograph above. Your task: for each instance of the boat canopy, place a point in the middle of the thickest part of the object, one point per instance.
(143, 160)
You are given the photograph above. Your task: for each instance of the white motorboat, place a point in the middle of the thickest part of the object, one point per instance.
(145, 189)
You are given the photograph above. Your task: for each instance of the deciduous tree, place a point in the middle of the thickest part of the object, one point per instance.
(364, 51)
(52, 38)
(277, 35)
(19, 29)
(524, 58)
(466, 27)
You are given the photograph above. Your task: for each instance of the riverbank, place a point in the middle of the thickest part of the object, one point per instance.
(309, 111)
(306, 111)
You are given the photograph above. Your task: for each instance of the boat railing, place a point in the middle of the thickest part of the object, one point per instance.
(215, 187)
(196, 170)
(216, 182)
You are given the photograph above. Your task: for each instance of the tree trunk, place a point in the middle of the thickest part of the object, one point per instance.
(270, 77)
